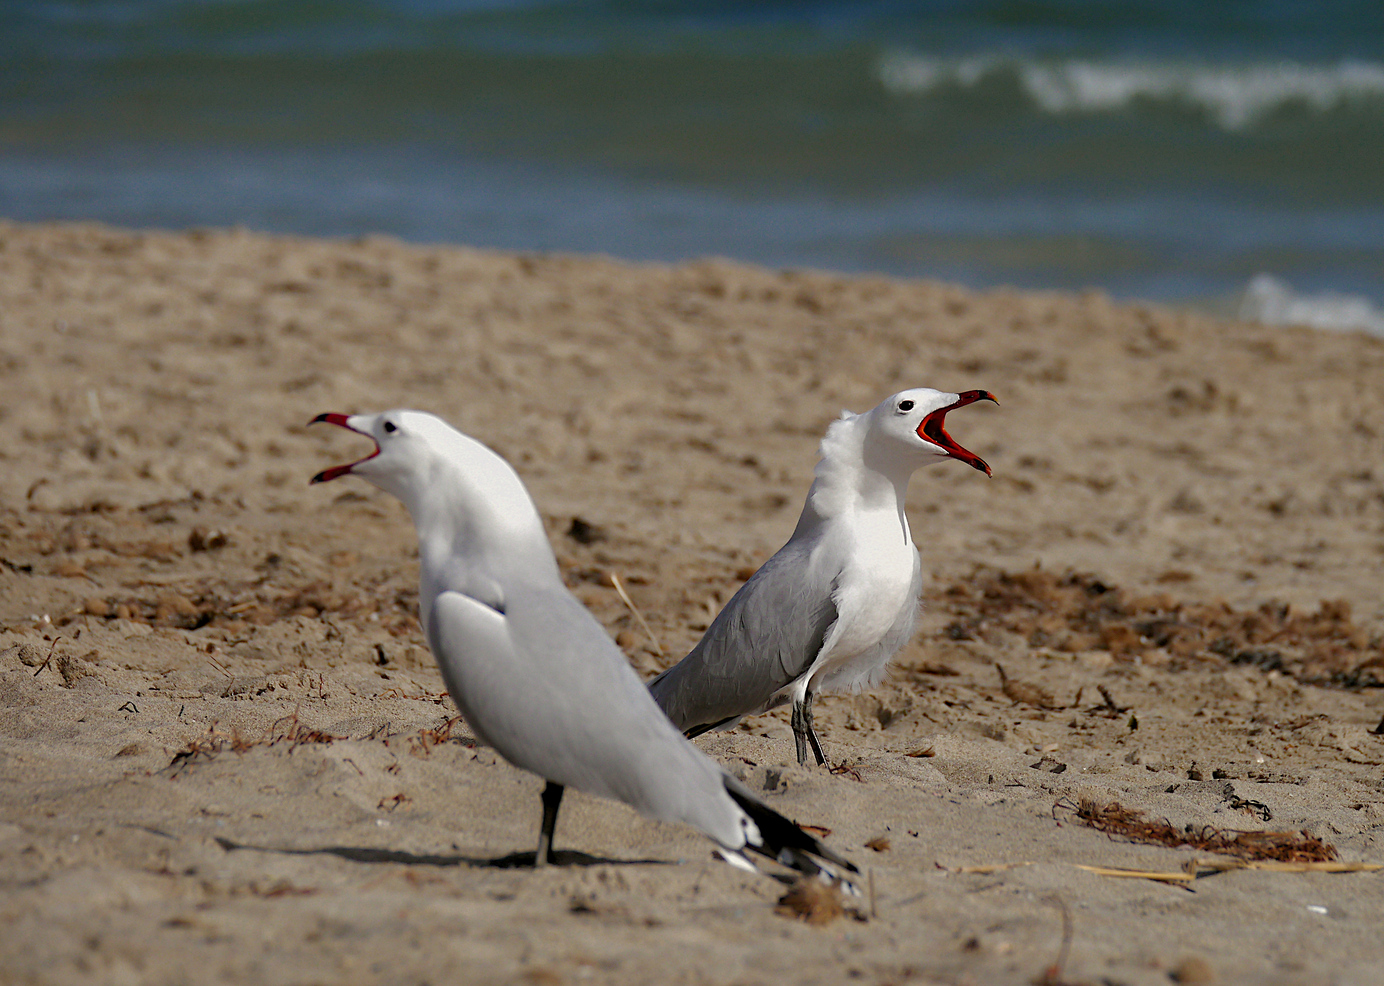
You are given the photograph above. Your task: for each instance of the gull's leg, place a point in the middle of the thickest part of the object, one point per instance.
(552, 797)
(811, 733)
(800, 730)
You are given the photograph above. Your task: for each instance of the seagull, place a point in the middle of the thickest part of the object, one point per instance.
(836, 602)
(530, 669)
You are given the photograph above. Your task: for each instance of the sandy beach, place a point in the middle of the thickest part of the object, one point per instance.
(226, 755)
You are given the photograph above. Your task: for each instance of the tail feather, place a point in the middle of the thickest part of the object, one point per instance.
(783, 841)
(694, 731)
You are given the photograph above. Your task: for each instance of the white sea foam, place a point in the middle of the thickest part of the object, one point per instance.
(1268, 300)
(1234, 96)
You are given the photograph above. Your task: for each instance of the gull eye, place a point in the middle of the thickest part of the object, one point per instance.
(390, 427)
(905, 405)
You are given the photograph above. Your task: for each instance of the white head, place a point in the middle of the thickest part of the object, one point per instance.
(910, 428)
(453, 486)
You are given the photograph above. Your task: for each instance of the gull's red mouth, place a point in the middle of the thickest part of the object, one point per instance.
(934, 430)
(341, 421)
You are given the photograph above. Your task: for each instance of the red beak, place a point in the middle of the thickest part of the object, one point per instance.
(933, 429)
(340, 420)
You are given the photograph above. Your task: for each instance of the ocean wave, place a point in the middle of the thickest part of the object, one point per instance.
(1268, 300)
(1235, 97)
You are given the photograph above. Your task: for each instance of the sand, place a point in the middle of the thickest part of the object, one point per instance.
(226, 755)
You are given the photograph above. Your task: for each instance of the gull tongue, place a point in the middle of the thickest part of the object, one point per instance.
(934, 430)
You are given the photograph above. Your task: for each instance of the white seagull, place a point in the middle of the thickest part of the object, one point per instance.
(529, 667)
(836, 602)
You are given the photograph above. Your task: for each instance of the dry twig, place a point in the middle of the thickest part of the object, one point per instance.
(1052, 975)
(1024, 693)
(615, 581)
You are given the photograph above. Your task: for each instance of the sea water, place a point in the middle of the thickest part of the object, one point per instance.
(1226, 153)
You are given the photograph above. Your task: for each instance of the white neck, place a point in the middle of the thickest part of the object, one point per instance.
(477, 524)
(856, 476)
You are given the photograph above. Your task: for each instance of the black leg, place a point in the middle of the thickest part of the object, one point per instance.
(552, 797)
(799, 733)
(811, 732)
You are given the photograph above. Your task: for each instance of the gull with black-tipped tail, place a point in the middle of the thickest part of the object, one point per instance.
(533, 673)
(836, 602)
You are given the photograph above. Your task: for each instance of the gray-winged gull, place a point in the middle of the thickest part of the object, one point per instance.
(836, 602)
(529, 667)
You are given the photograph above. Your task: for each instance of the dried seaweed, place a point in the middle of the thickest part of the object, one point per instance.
(1077, 611)
(205, 747)
(286, 730)
(259, 602)
(289, 730)
(422, 744)
(1118, 821)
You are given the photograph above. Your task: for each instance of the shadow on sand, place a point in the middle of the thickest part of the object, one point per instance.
(517, 860)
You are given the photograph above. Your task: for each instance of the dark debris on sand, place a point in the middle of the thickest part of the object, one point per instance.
(1076, 611)
(1118, 821)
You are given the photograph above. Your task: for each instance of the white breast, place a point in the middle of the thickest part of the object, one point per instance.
(876, 600)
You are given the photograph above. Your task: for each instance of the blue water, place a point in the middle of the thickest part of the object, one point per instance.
(1169, 150)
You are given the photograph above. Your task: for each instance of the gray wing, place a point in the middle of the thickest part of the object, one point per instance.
(545, 686)
(766, 637)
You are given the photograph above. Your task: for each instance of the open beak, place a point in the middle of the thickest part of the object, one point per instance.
(934, 429)
(342, 421)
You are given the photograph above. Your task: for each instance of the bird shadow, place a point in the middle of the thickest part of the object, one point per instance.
(512, 861)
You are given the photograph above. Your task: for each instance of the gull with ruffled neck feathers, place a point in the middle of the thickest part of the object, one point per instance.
(836, 602)
(533, 673)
